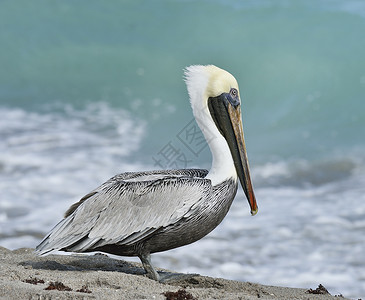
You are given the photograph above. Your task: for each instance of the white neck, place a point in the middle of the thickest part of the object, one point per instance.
(221, 170)
(201, 82)
(222, 164)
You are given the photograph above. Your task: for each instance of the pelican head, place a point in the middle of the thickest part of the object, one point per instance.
(216, 104)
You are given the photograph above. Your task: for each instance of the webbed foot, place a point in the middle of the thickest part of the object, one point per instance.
(173, 277)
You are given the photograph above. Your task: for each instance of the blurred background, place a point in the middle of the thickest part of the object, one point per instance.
(89, 89)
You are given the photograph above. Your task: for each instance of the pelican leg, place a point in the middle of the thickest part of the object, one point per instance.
(147, 265)
(164, 277)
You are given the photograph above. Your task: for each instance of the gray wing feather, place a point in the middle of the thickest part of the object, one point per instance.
(124, 212)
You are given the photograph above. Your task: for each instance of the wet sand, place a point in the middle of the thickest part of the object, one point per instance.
(24, 275)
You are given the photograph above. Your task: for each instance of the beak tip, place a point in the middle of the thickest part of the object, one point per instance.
(254, 212)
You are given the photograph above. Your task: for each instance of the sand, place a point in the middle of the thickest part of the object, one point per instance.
(24, 275)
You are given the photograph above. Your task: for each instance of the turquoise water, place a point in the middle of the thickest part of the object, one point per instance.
(300, 64)
(96, 88)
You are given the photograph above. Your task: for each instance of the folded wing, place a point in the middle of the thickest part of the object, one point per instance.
(127, 209)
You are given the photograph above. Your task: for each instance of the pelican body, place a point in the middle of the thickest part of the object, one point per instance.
(139, 213)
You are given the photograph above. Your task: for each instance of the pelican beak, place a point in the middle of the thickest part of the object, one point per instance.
(226, 113)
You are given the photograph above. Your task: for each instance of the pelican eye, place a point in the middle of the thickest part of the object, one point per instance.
(233, 92)
(233, 97)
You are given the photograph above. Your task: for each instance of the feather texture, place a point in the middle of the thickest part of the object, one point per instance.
(131, 207)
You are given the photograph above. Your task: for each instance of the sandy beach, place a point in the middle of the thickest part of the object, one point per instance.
(24, 275)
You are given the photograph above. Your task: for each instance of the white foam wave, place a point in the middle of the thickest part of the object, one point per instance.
(309, 229)
(302, 236)
(305, 173)
(48, 159)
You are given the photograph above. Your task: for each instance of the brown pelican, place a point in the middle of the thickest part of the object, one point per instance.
(139, 213)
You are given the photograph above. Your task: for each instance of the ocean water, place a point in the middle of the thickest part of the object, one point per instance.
(90, 89)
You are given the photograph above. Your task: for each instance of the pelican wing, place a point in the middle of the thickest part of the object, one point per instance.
(127, 209)
(141, 176)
